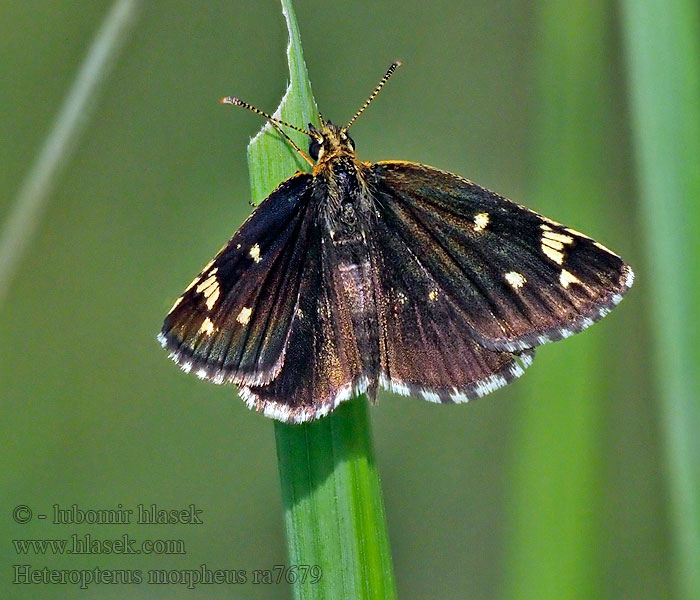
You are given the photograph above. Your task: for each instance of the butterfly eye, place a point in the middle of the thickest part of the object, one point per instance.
(314, 149)
(351, 142)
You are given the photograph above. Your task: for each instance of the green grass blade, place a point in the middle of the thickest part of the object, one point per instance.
(18, 230)
(554, 545)
(334, 512)
(663, 58)
(270, 158)
(333, 505)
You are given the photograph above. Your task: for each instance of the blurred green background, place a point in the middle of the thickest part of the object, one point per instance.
(558, 486)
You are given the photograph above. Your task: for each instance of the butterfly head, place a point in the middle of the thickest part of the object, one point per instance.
(330, 141)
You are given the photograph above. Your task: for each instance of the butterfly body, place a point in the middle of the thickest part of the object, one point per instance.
(395, 275)
(344, 207)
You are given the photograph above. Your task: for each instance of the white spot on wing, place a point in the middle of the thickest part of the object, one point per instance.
(244, 316)
(212, 297)
(207, 327)
(481, 220)
(552, 254)
(566, 278)
(515, 279)
(516, 346)
(206, 283)
(344, 393)
(255, 253)
(554, 244)
(210, 289)
(558, 237)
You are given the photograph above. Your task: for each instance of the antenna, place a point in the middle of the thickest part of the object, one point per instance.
(275, 123)
(390, 71)
(262, 113)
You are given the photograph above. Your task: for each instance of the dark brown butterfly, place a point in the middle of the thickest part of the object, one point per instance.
(391, 274)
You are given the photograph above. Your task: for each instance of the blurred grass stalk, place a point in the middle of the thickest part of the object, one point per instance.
(75, 112)
(334, 513)
(553, 544)
(663, 59)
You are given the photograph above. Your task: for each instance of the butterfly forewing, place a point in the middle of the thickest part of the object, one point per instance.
(517, 279)
(233, 321)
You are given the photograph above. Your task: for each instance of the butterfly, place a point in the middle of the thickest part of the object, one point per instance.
(392, 274)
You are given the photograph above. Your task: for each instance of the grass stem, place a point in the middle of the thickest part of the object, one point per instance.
(23, 220)
(334, 513)
(663, 59)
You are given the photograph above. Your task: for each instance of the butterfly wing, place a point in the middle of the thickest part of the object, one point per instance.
(516, 279)
(232, 323)
(428, 349)
(326, 362)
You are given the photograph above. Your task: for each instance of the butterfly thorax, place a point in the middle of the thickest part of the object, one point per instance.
(340, 183)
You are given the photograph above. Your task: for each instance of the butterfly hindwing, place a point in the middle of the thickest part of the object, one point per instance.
(517, 279)
(233, 321)
(325, 362)
(429, 351)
